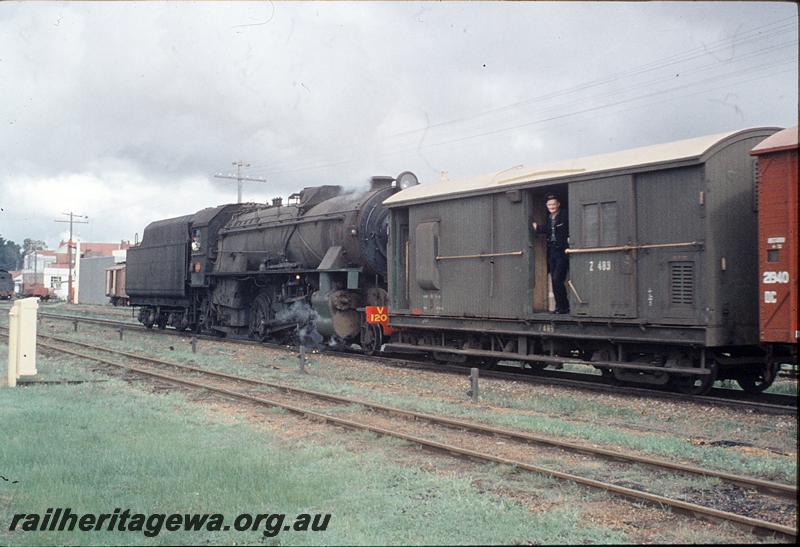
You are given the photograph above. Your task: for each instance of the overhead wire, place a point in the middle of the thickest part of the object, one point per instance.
(410, 148)
(775, 28)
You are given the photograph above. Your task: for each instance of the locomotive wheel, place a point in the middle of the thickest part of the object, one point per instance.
(260, 316)
(205, 316)
(371, 338)
(148, 317)
(161, 322)
(758, 381)
(695, 385)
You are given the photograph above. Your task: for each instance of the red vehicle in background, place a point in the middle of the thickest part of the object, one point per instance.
(778, 247)
(37, 290)
(33, 286)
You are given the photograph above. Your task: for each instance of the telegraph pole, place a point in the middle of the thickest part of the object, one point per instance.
(69, 248)
(239, 178)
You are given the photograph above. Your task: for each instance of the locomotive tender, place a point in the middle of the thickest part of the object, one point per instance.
(267, 271)
(663, 266)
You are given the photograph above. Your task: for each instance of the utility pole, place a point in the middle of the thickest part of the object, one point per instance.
(69, 248)
(239, 178)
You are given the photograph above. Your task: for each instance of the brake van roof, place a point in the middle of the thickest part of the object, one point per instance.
(686, 151)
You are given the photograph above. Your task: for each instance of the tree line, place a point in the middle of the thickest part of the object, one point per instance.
(11, 253)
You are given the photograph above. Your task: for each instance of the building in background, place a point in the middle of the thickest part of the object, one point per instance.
(50, 268)
(92, 287)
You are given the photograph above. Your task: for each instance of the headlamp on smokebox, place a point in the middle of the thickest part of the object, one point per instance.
(406, 179)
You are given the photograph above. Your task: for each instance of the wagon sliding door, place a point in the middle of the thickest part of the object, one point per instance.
(602, 215)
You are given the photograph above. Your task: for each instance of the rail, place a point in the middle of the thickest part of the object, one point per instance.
(731, 398)
(696, 510)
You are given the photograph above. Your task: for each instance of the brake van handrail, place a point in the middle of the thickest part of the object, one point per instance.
(482, 255)
(634, 247)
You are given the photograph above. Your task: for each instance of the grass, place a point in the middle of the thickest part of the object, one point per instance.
(664, 445)
(568, 406)
(94, 447)
(91, 311)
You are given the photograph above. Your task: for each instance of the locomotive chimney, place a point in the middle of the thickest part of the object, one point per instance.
(376, 183)
(277, 202)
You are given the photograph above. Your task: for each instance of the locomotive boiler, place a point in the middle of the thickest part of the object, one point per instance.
(269, 271)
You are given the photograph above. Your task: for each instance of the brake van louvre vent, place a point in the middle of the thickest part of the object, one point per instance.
(681, 282)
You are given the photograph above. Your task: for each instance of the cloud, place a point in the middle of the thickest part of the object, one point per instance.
(110, 105)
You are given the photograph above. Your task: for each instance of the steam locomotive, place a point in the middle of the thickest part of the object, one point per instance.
(269, 271)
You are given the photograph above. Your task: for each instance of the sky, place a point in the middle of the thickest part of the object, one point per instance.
(124, 112)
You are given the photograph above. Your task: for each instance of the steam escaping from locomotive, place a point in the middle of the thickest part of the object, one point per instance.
(304, 316)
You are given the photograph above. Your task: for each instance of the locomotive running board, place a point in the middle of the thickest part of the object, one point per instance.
(536, 358)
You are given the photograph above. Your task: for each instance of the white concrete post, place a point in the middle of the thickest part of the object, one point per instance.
(11, 372)
(22, 340)
(26, 347)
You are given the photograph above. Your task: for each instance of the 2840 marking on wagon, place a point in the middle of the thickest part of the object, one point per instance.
(769, 278)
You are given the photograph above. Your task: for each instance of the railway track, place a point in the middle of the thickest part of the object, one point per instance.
(770, 403)
(463, 439)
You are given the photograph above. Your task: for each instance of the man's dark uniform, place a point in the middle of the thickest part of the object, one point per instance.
(557, 230)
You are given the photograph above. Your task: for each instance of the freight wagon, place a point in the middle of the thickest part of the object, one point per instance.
(778, 247)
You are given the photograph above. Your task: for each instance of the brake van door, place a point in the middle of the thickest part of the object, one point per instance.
(602, 276)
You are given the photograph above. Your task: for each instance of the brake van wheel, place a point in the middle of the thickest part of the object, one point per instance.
(695, 385)
(449, 358)
(608, 376)
(758, 380)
